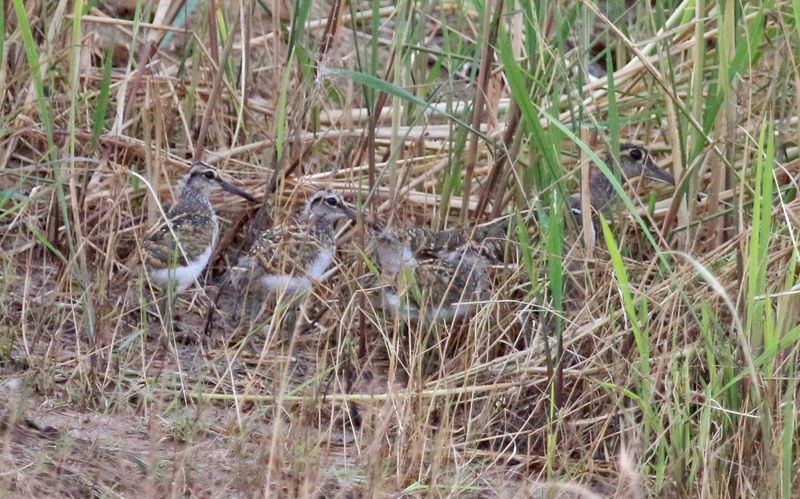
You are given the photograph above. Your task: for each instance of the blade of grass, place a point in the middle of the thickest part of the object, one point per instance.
(76, 223)
(640, 335)
(3, 53)
(542, 141)
(613, 111)
(100, 111)
(298, 22)
(746, 55)
(180, 20)
(555, 271)
(698, 64)
(758, 246)
(393, 90)
(489, 29)
(786, 456)
(34, 65)
(42, 238)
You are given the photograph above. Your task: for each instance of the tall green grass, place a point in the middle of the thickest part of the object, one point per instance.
(684, 361)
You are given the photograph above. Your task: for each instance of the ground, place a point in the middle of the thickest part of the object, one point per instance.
(659, 360)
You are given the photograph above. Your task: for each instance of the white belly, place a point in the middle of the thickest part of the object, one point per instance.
(297, 284)
(408, 259)
(394, 303)
(320, 264)
(183, 276)
(285, 283)
(449, 312)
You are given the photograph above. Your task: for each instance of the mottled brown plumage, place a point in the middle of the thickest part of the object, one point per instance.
(422, 241)
(291, 258)
(440, 285)
(176, 250)
(196, 231)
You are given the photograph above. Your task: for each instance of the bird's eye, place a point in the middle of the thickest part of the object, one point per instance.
(331, 201)
(636, 154)
(209, 175)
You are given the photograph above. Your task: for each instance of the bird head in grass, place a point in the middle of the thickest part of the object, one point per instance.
(634, 161)
(326, 207)
(204, 178)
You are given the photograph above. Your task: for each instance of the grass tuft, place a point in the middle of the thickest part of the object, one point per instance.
(659, 360)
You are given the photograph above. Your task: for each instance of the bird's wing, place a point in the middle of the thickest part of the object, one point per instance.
(444, 282)
(194, 231)
(285, 251)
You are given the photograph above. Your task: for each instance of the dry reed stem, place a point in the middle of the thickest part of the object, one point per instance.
(310, 408)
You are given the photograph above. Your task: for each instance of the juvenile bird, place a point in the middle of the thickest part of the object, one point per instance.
(290, 259)
(439, 286)
(176, 250)
(422, 241)
(634, 161)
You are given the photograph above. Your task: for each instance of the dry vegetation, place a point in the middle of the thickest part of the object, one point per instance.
(660, 362)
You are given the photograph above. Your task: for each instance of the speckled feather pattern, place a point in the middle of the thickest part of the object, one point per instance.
(443, 283)
(449, 283)
(193, 221)
(425, 242)
(291, 250)
(292, 258)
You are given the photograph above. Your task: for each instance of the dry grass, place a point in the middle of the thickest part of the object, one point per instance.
(661, 362)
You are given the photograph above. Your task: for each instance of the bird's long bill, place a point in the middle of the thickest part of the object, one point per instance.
(235, 190)
(659, 174)
(349, 213)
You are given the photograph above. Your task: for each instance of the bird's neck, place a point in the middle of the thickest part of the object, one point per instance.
(319, 227)
(602, 190)
(192, 198)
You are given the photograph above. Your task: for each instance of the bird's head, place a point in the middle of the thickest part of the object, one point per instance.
(204, 178)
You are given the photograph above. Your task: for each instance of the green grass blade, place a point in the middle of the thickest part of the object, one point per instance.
(555, 262)
(179, 20)
(32, 54)
(624, 287)
(613, 111)
(787, 458)
(298, 25)
(395, 91)
(541, 140)
(298, 28)
(747, 53)
(42, 238)
(758, 247)
(100, 111)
